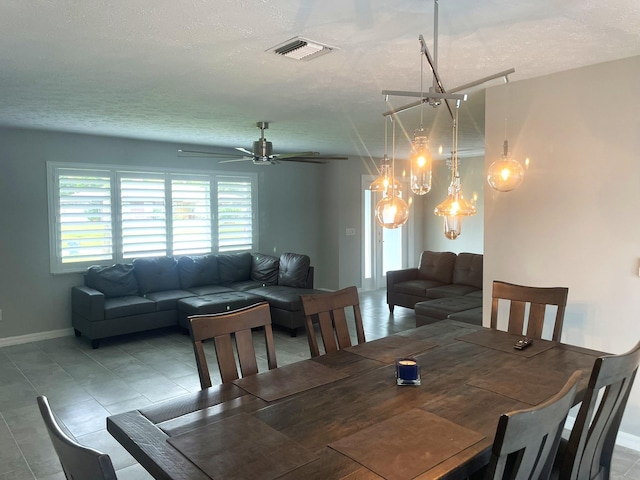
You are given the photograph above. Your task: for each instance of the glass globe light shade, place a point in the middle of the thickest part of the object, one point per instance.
(455, 206)
(392, 212)
(421, 165)
(505, 174)
(452, 227)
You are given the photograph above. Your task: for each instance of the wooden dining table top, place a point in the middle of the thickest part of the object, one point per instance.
(342, 415)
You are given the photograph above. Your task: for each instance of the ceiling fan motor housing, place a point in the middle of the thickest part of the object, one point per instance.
(263, 149)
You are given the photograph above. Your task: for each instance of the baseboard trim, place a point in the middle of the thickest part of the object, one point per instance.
(35, 337)
(623, 439)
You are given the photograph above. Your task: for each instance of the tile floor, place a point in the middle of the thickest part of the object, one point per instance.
(84, 386)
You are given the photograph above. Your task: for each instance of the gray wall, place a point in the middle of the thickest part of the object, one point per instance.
(574, 220)
(33, 300)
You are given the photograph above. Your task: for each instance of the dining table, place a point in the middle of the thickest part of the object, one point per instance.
(342, 415)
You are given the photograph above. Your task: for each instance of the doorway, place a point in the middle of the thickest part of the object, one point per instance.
(383, 249)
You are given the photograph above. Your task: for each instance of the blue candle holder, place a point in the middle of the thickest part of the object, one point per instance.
(407, 371)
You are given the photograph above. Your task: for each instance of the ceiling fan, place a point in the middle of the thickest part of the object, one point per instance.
(262, 153)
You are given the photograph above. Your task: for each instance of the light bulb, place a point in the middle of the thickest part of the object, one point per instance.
(505, 174)
(421, 161)
(392, 212)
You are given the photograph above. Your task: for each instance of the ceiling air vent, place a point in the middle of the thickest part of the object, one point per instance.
(300, 48)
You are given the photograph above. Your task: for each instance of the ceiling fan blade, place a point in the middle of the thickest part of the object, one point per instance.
(297, 154)
(319, 157)
(302, 160)
(244, 150)
(243, 159)
(200, 153)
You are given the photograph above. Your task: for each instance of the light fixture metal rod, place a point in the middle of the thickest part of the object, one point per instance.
(436, 78)
(480, 81)
(435, 40)
(456, 97)
(436, 96)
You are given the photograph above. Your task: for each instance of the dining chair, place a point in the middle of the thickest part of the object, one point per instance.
(78, 462)
(221, 327)
(329, 311)
(537, 299)
(527, 440)
(587, 453)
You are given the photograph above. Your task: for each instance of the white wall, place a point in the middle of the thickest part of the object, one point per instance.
(574, 220)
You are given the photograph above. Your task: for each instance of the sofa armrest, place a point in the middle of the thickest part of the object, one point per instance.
(87, 302)
(397, 276)
(309, 278)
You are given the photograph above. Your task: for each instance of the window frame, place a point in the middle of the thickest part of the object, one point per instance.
(115, 172)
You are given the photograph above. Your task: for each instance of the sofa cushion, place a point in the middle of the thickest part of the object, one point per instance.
(196, 271)
(155, 274)
(473, 316)
(168, 299)
(417, 288)
(234, 267)
(294, 270)
(125, 306)
(284, 298)
(441, 308)
(264, 269)
(468, 270)
(451, 290)
(437, 266)
(221, 302)
(210, 289)
(114, 281)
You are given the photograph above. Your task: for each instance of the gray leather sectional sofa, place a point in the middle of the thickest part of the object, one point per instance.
(444, 285)
(163, 291)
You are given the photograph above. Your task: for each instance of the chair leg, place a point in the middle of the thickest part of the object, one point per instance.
(77, 332)
(391, 306)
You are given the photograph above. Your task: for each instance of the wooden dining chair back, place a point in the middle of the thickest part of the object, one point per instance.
(78, 462)
(537, 299)
(222, 328)
(329, 311)
(588, 452)
(526, 441)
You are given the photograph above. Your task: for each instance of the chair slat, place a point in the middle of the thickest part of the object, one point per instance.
(246, 353)
(226, 358)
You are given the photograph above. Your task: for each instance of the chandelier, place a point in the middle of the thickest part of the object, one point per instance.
(503, 175)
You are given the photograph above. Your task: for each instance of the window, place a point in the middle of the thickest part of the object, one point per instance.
(110, 215)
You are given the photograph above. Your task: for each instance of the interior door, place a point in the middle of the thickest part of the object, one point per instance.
(383, 249)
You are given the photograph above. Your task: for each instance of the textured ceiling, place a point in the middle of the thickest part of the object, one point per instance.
(196, 72)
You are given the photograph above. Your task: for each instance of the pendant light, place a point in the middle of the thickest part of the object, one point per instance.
(392, 211)
(505, 174)
(420, 158)
(454, 207)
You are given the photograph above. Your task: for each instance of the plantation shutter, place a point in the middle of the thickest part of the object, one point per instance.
(144, 215)
(84, 216)
(191, 215)
(235, 214)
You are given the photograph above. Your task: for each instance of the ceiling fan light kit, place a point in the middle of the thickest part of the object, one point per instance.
(503, 175)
